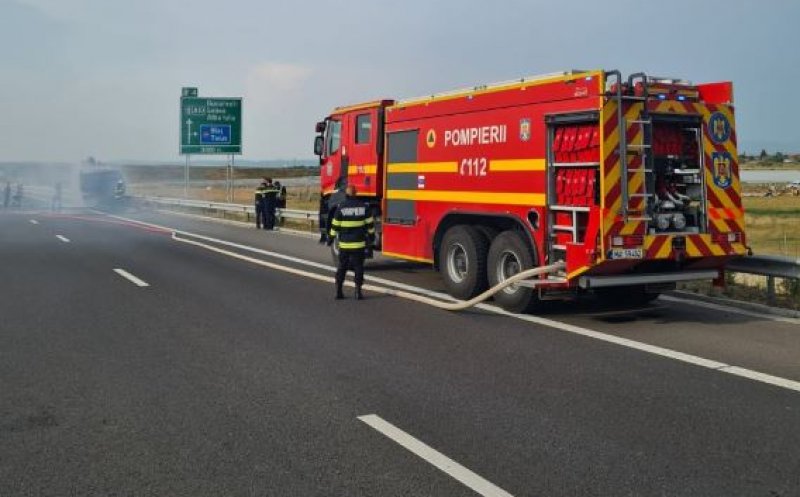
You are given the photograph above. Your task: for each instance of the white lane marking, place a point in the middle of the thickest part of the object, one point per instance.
(276, 255)
(477, 483)
(578, 330)
(128, 276)
(63, 238)
(727, 308)
(34, 221)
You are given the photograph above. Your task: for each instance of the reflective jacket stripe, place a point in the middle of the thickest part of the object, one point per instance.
(349, 224)
(352, 245)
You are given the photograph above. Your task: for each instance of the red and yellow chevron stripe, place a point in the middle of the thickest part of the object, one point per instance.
(725, 211)
(700, 245)
(613, 221)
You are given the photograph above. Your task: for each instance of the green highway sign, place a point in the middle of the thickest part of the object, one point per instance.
(211, 125)
(188, 91)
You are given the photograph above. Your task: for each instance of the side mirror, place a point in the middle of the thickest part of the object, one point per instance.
(318, 144)
(320, 127)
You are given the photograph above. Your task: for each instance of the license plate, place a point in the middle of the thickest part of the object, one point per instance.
(626, 253)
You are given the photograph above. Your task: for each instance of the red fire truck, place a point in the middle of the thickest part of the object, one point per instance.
(633, 183)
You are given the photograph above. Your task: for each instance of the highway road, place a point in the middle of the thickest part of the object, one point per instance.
(135, 364)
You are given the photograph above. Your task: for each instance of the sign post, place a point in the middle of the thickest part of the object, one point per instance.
(209, 126)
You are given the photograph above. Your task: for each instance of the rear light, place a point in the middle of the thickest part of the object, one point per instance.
(627, 241)
(733, 237)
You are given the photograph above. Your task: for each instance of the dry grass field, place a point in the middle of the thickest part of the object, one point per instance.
(773, 224)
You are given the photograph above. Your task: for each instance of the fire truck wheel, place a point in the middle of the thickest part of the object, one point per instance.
(508, 255)
(462, 261)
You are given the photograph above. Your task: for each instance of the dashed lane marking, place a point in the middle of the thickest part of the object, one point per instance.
(63, 238)
(133, 279)
(443, 463)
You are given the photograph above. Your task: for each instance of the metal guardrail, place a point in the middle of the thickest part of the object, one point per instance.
(766, 265)
(249, 210)
(771, 266)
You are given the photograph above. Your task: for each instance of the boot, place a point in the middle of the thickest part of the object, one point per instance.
(339, 293)
(359, 295)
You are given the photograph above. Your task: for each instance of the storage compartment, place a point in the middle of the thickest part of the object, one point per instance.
(677, 181)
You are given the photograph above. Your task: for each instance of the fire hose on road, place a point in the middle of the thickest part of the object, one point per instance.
(447, 306)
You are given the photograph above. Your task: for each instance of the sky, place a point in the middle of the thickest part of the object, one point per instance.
(102, 78)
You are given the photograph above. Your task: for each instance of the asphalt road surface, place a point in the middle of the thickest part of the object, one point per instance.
(134, 364)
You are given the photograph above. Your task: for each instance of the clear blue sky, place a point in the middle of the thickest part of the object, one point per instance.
(102, 77)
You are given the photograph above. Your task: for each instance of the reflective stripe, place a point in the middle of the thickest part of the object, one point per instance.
(351, 224)
(352, 245)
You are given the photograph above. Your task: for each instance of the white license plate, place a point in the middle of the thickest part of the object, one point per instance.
(626, 253)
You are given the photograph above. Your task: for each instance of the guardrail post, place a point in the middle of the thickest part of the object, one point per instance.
(771, 290)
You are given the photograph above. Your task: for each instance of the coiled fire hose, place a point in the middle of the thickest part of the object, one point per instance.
(458, 305)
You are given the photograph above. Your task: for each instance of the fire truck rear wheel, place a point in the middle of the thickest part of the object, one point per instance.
(462, 261)
(508, 255)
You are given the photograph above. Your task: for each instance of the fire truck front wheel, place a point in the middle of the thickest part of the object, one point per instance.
(508, 255)
(462, 261)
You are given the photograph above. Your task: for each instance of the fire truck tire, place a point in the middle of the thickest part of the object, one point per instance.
(462, 261)
(510, 254)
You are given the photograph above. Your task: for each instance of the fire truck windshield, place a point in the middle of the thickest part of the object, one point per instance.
(333, 137)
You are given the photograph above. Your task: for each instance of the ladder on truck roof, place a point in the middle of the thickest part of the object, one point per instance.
(642, 201)
(491, 86)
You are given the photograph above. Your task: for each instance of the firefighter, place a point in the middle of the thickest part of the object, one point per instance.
(270, 203)
(281, 195)
(261, 213)
(354, 226)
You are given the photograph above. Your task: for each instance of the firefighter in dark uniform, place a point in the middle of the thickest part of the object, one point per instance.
(354, 226)
(281, 195)
(261, 213)
(270, 204)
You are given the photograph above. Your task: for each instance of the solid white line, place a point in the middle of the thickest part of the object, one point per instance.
(128, 276)
(63, 238)
(727, 308)
(34, 221)
(434, 457)
(613, 339)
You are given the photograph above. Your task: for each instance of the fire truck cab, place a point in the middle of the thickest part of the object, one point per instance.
(632, 182)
